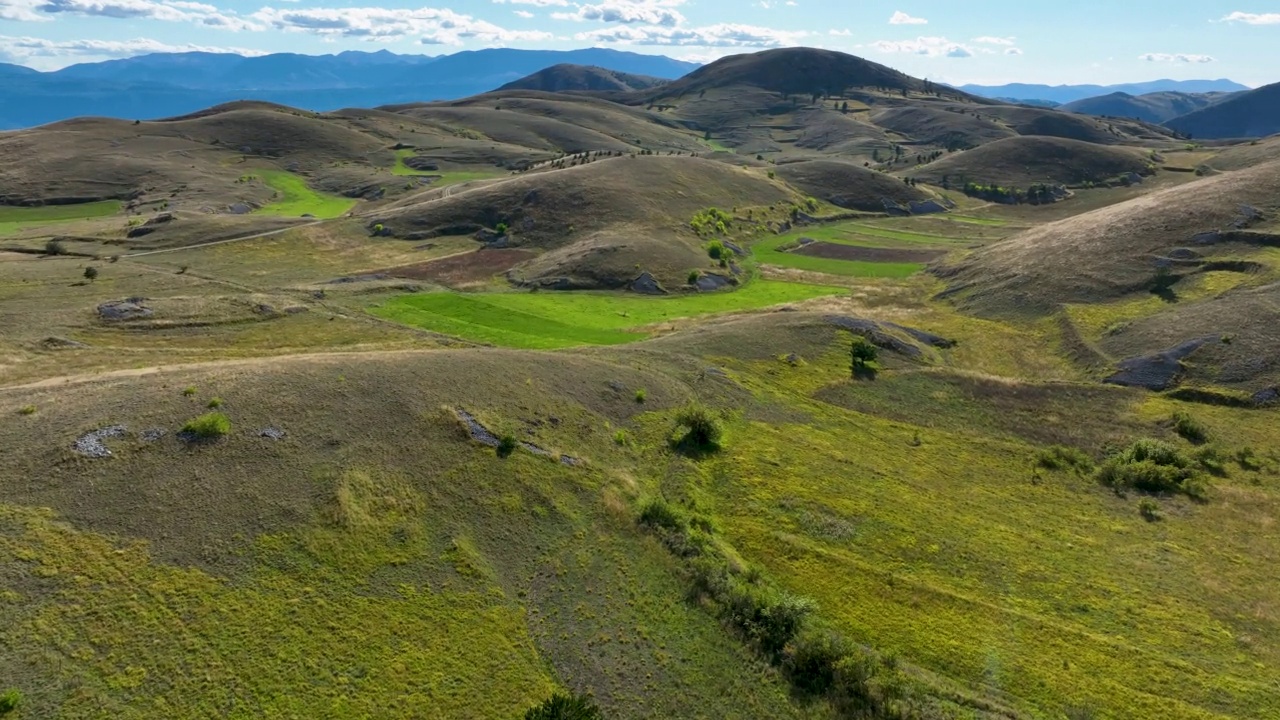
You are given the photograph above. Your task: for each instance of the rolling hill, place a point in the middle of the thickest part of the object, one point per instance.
(1153, 107)
(1070, 93)
(566, 77)
(1025, 160)
(1247, 115)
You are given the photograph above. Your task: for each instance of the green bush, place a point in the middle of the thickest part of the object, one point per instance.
(501, 228)
(1149, 510)
(507, 444)
(1152, 466)
(657, 513)
(641, 395)
(214, 403)
(27, 410)
(861, 354)
(209, 426)
(561, 706)
(54, 247)
(10, 700)
(189, 391)
(91, 273)
(701, 425)
(1189, 428)
(1061, 457)
(693, 277)
(620, 438)
(715, 249)
(812, 661)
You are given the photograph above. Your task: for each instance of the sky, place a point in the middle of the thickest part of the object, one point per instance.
(986, 42)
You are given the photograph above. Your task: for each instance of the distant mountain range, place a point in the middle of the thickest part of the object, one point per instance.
(167, 84)
(1062, 94)
(1244, 115)
(1155, 107)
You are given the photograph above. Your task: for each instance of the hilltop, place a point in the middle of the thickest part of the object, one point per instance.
(1152, 107)
(1026, 160)
(1252, 114)
(566, 77)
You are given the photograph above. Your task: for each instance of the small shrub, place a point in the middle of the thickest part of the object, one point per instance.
(701, 425)
(506, 445)
(1061, 457)
(183, 270)
(1189, 428)
(772, 174)
(209, 426)
(1212, 459)
(641, 395)
(91, 273)
(561, 706)
(693, 277)
(501, 228)
(27, 410)
(1149, 510)
(657, 513)
(1247, 459)
(812, 661)
(189, 391)
(1152, 466)
(10, 700)
(861, 354)
(620, 438)
(55, 247)
(715, 249)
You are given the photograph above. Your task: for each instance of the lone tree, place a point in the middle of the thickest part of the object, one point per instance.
(861, 354)
(91, 273)
(561, 706)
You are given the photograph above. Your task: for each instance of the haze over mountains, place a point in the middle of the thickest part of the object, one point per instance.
(168, 84)
(1063, 94)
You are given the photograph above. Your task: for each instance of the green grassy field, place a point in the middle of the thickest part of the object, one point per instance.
(447, 177)
(13, 219)
(564, 319)
(297, 198)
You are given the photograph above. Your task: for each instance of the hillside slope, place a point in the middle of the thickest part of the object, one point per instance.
(567, 77)
(1026, 160)
(1252, 114)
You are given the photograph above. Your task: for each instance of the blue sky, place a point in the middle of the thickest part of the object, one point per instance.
(992, 41)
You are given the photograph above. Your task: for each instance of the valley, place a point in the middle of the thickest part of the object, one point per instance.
(796, 387)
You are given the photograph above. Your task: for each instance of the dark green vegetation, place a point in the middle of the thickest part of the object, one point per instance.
(573, 419)
(565, 707)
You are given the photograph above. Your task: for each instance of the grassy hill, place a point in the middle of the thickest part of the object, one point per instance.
(847, 185)
(564, 77)
(1156, 107)
(1255, 113)
(1025, 160)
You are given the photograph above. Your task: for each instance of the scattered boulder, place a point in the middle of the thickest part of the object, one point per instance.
(140, 231)
(926, 207)
(806, 241)
(708, 282)
(646, 284)
(1246, 217)
(478, 432)
(1131, 178)
(272, 433)
(1157, 371)
(881, 335)
(240, 208)
(1262, 398)
(61, 343)
(1183, 253)
(1207, 238)
(131, 309)
(370, 277)
(153, 434)
(90, 444)
(737, 249)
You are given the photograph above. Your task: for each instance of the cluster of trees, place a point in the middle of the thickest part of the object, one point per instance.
(711, 220)
(1038, 194)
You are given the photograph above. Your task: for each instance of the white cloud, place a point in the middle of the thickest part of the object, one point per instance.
(927, 46)
(429, 25)
(170, 11)
(648, 12)
(1253, 18)
(1013, 51)
(1176, 58)
(722, 35)
(901, 18)
(842, 33)
(524, 14)
(22, 49)
(536, 3)
(21, 10)
(989, 40)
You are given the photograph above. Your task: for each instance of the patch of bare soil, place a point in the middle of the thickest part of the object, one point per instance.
(835, 251)
(476, 266)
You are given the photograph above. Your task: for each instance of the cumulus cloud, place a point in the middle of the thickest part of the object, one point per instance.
(430, 25)
(171, 11)
(537, 3)
(524, 14)
(842, 33)
(1176, 58)
(21, 10)
(901, 18)
(1253, 18)
(927, 46)
(21, 49)
(648, 12)
(1013, 51)
(989, 40)
(722, 35)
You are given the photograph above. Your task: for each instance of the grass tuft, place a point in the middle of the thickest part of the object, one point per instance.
(209, 426)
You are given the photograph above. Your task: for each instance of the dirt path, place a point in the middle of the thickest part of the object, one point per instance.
(256, 236)
(231, 362)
